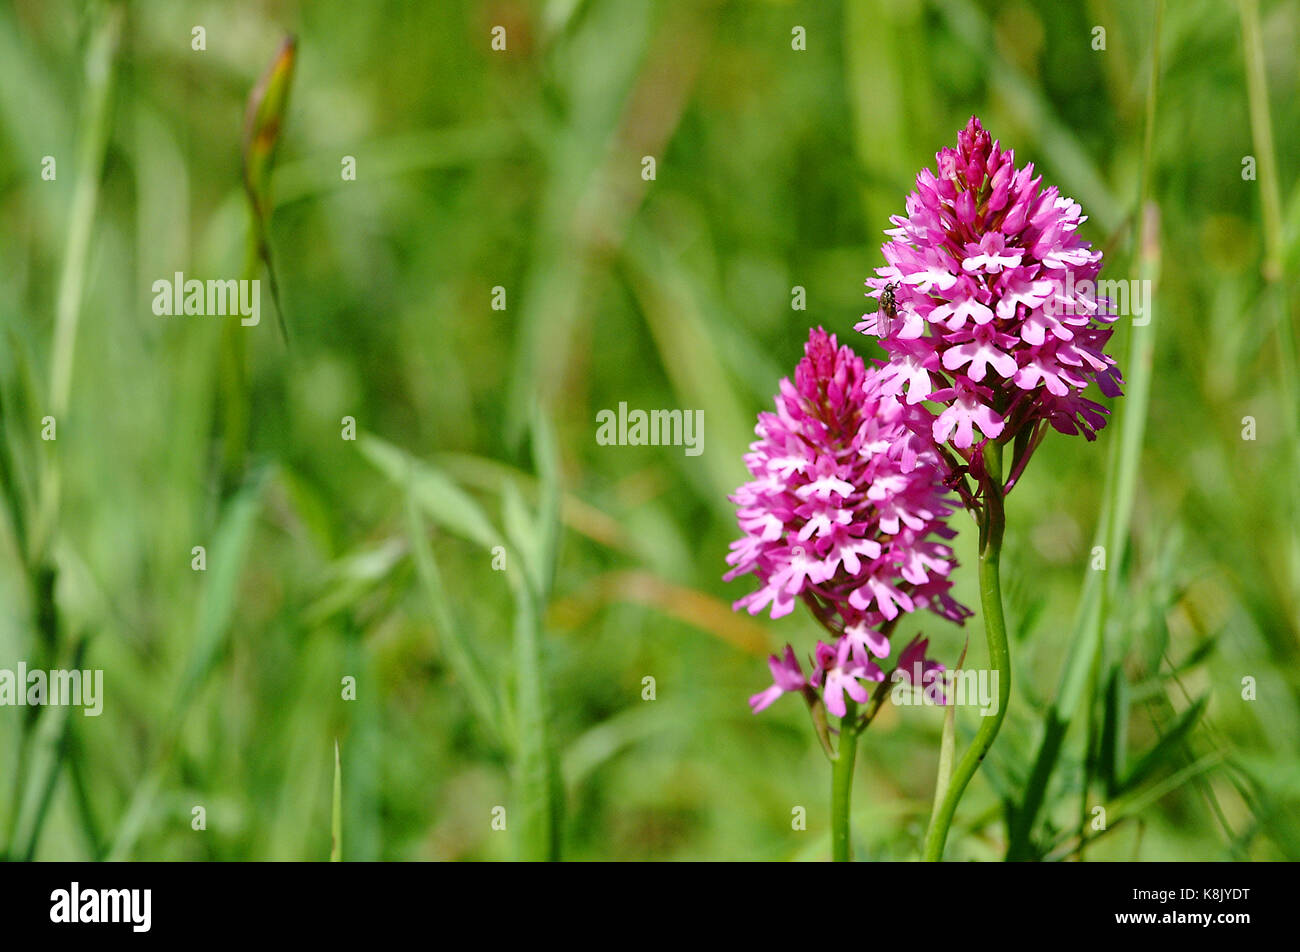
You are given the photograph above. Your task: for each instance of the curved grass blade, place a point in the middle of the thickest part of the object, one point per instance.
(441, 499)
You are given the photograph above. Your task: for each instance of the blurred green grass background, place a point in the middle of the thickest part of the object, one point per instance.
(521, 169)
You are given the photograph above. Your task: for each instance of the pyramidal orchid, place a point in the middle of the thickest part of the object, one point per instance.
(846, 512)
(987, 314)
(991, 313)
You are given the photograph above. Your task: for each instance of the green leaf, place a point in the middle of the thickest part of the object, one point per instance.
(1057, 719)
(312, 507)
(49, 749)
(350, 578)
(452, 638)
(546, 459)
(524, 535)
(537, 788)
(441, 500)
(1114, 730)
(601, 743)
(10, 489)
(1166, 751)
(226, 558)
(537, 783)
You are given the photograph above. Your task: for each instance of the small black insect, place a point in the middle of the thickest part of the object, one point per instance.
(887, 311)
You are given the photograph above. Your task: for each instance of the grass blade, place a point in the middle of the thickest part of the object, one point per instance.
(546, 460)
(1166, 750)
(336, 812)
(441, 499)
(100, 71)
(536, 783)
(452, 638)
(226, 560)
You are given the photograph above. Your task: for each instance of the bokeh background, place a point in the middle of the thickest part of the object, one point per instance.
(521, 169)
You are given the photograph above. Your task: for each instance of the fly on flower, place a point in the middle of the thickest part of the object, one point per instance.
(886, 311)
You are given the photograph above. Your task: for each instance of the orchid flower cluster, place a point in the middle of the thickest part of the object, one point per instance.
(991, 317)
(985, 313)
(847, 512)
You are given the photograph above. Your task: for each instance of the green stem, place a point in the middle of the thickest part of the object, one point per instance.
(842, 786)
(992, 522)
